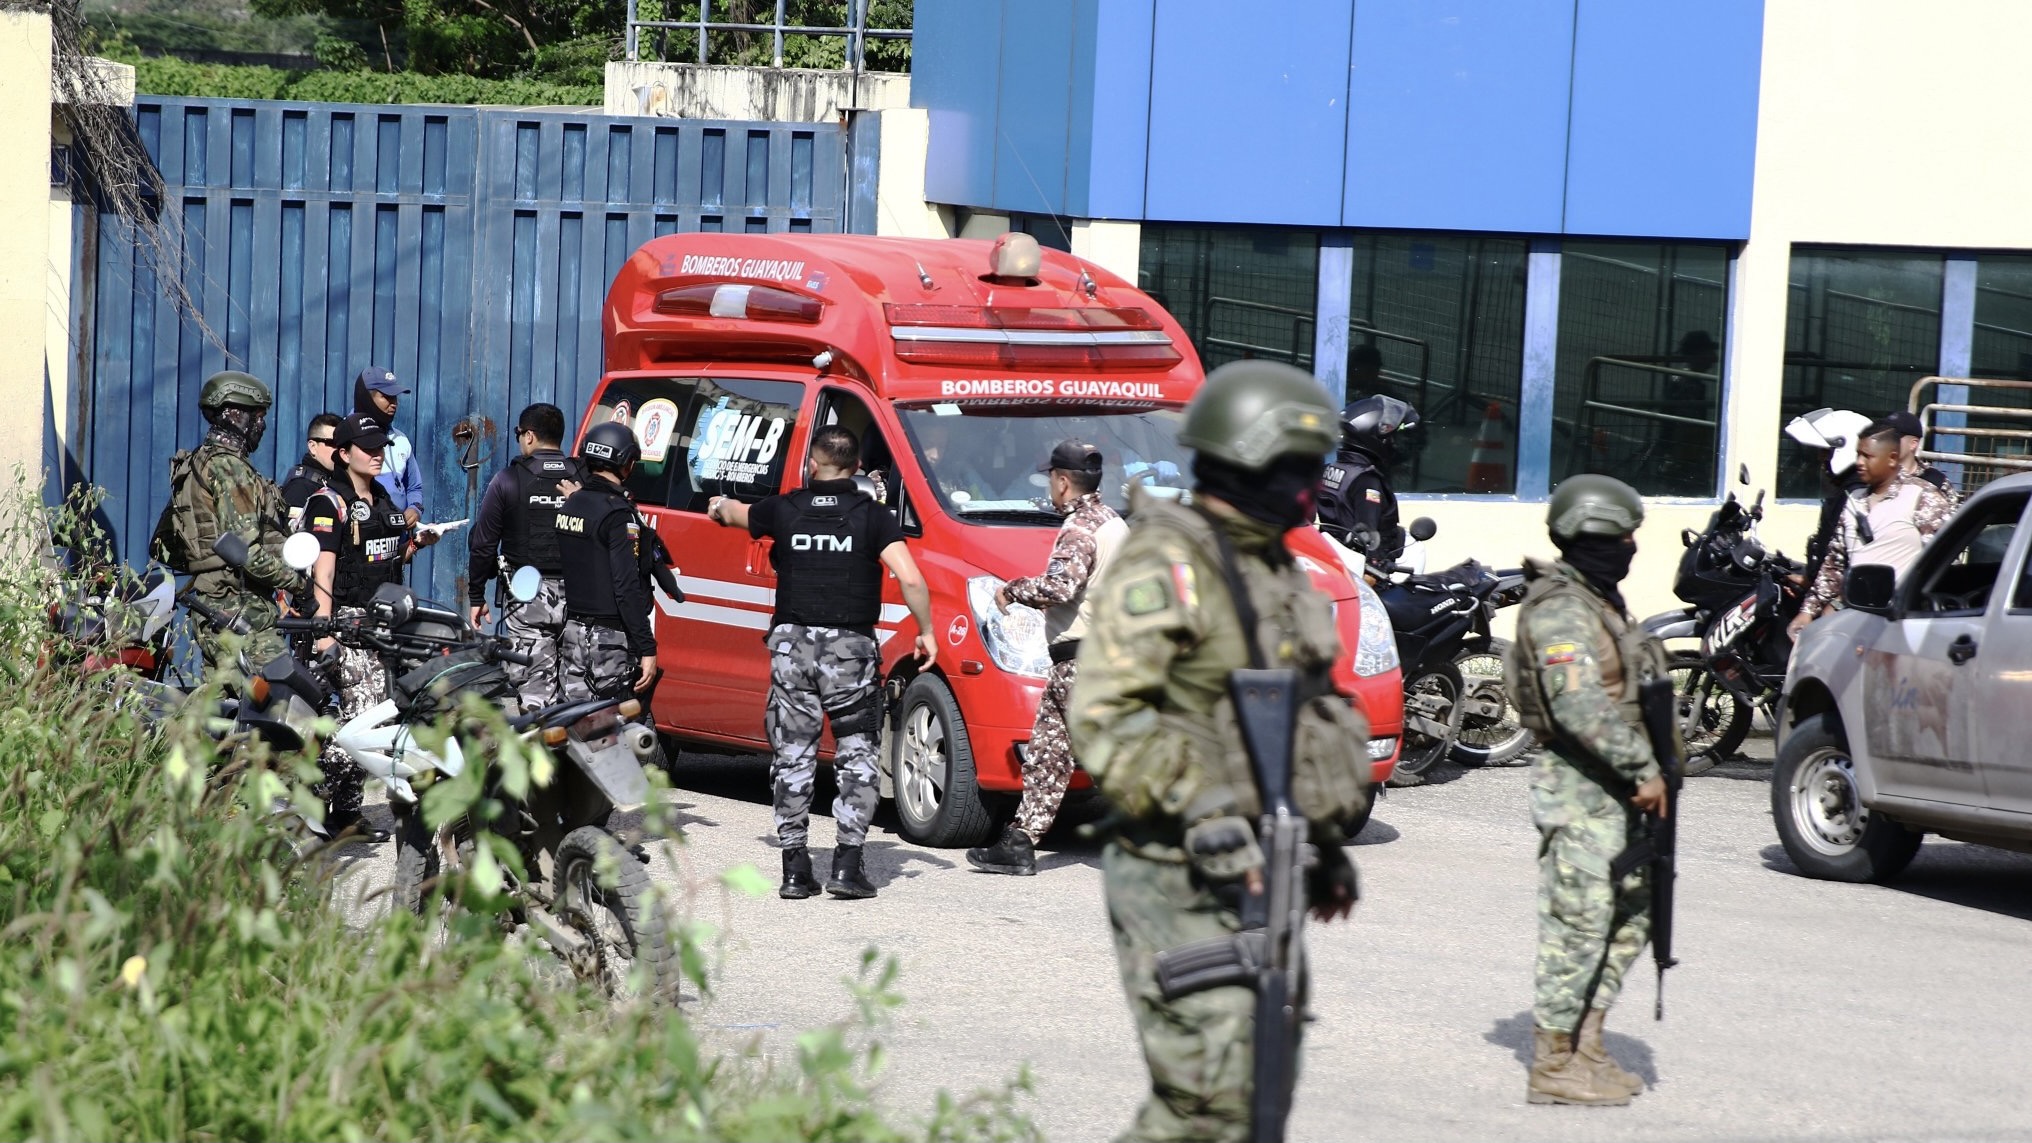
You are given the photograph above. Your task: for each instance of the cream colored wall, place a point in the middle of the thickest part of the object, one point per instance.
(25, 251)
(900, 209)
(1116, 246)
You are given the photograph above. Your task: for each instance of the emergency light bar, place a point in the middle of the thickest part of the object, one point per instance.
(737, 300)
(1091, 337)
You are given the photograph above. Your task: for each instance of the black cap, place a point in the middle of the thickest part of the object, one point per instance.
(1906, 423)
(1073, 455)
(358, 430)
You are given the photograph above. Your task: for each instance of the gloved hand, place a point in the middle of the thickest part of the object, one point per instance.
(1331, 887)
(1223, 849)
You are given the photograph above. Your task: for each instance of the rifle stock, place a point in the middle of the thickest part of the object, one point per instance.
(1266, 712)
(1661, 844)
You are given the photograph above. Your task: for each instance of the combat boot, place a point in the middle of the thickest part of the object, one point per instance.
(1561, 1075)
(1588, 1045)
(1013, 855)
(798, 883)
(848, 881)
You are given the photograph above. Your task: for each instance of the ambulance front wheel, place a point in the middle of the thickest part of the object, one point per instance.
(938, 802)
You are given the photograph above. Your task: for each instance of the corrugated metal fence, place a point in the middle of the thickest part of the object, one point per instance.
(467, 249)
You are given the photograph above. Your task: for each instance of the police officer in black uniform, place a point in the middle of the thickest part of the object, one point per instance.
(1356, 503)
(516, 527)
(365, 542)
(316, 470)
(831, 541)
(607, 648)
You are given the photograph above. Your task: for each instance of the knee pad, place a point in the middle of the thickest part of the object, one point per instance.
(864, 716)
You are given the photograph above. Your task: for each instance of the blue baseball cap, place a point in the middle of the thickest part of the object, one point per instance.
(381, 379)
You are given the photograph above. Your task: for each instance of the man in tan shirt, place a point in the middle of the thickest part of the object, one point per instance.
(1887, 521)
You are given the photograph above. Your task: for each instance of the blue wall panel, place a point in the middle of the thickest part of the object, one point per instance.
(959, 83)
(1664, 133)
(469, 250)
(1114, 50)
(1457, 114)
(1248, 113)
(1033, 146)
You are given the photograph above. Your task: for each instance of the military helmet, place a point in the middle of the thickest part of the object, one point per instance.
(233, 387)
(1593, 505)
(610, 445)
(1249, 413)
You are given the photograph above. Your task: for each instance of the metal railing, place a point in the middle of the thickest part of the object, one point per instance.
(2010, 448)
(856, 32)
(1634, 433)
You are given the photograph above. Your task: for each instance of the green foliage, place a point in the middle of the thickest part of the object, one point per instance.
(175, 963)
(221, 81)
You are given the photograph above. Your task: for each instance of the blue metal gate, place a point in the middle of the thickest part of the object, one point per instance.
(467, 249)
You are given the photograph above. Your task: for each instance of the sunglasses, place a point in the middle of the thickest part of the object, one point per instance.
(321, 440)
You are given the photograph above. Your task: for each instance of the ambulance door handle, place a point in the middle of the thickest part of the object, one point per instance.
(758, 560)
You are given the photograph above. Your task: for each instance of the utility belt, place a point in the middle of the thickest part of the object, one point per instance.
(1065, 650)
(610, 622)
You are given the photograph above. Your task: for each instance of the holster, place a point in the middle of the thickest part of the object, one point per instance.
(1217, 962)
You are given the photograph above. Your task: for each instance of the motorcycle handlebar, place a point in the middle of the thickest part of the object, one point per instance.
(516, 657)
(211, 615)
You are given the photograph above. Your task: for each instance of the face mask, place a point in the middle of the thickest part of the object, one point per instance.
(1281, 495)
(1604, 560)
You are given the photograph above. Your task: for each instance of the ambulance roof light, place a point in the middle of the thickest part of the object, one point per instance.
(1015, 255)
(741, 301)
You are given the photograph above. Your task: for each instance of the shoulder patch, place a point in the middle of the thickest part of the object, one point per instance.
(1555, 654)
(1146, 596)
(1373, 495)
(1187, 585)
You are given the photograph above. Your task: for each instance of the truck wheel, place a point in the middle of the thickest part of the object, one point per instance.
(1827, 831)
(938, 802)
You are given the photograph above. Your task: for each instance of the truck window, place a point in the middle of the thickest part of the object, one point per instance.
(840, 407)
(981, 460)
(703, 437)
(1958, 576)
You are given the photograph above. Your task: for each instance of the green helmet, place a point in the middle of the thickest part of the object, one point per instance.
(1593, 505)
(233, 388)
(1249, 413)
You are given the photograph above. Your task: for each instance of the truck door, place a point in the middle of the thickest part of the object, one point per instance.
(1925, 678)
(704, 437)
(2003, 714)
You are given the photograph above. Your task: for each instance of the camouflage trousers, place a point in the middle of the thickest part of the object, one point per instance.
(593, 662)
(816, 674)
(1047, 760)
(1199, 1048)
(1590, 928)
(536, 627)
(361, 682)
(261, 643)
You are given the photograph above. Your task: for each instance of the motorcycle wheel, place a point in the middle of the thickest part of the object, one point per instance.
(603, 892)
(416, 859)
(1481, 740)
(1436, 689)
(1723, 720)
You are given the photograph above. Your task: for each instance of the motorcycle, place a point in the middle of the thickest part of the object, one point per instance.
(1739, 597)
(596, 911)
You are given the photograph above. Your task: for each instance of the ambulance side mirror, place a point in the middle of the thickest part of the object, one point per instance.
(524, 584)
(300, 551)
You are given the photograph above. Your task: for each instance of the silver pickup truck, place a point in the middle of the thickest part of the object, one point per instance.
(1910, 711)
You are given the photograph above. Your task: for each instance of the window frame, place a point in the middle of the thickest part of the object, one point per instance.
(1953, 540)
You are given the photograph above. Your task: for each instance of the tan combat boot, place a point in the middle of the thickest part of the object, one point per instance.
(1588, 1045)
(1561, 1075)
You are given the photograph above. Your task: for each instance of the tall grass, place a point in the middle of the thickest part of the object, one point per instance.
(173, 966)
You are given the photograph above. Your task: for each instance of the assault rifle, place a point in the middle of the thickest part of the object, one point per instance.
(1269, 953)
(1656, 842)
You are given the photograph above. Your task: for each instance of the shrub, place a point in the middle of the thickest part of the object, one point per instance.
(225, 81)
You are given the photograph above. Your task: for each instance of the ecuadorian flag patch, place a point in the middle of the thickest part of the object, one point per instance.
(1555, 654)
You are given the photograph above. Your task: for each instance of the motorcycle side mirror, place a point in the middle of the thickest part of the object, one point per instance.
(1423, 529)
(232, 549)
(1743, 474)
(1688, 537)
(300, 551)
(1870, 588)
(524, 584)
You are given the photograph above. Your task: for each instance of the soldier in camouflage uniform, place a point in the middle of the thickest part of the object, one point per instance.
(214, 491)
(830, 542)
(1086, 543)
(1151, 720)
(1580, 658)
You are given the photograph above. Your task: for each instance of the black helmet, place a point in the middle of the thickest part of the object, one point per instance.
(1374, 426)
(610, 445)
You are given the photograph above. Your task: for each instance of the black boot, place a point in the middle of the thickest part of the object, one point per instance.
(1013, 855)
(848, 880)
(798, 883)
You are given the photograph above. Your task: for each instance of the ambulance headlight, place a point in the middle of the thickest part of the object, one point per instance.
(1014, 638)
(1376, 648)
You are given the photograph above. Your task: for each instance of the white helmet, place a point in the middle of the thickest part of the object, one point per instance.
(1832, 429)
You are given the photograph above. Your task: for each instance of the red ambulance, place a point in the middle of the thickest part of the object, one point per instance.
(724, 351)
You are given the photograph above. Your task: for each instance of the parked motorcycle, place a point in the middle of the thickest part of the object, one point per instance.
(1739, 598)
(596, 910)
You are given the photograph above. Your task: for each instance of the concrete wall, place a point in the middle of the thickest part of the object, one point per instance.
(26, 257)
(775, 95)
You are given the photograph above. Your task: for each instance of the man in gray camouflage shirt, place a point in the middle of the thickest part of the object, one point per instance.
(1086, 542)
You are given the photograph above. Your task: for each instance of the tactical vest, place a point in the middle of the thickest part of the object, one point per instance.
(372, 555)
(1294, 628)
(190, 521)
(825, 576)
(586, 565)
(1624, 653)
(1337, 499)
(531, 535)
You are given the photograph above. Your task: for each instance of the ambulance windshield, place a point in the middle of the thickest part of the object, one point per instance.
(984, 462)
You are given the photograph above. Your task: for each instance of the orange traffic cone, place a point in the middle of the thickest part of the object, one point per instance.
(1487, 470)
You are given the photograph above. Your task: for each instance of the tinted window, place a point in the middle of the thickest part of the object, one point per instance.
(1239, 291)
(983, 465)
(703, 437)
(1960, 578)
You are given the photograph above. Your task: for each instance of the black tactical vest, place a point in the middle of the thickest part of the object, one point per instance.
(586, 566)
(531, 535)
(825, 574)
(1338, 496)
(376, 558)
